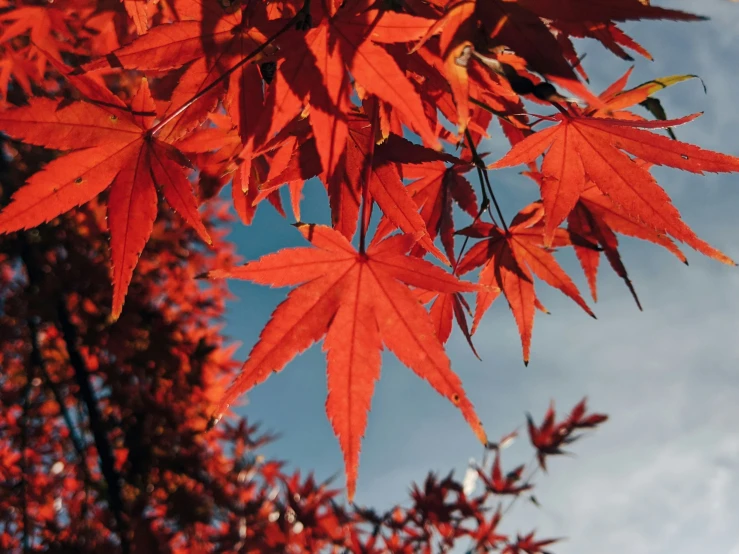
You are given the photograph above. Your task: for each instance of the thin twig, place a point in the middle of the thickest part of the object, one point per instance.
(500, 115)
(487, 193)
(526, 481)
(484, 206)
(484, 179)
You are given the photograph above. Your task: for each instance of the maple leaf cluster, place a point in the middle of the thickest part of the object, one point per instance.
(179, 96)
(103, 441)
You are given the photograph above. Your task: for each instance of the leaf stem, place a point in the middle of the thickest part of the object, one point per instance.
(505, 117)
(366, 213)
(534, 469)
(484, 206)
(482, 173)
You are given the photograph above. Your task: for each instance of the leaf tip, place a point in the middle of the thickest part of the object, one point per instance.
(725, 260)
(213, 421)
(119, 299)
(481, 434)
(215, 274)
(115, 313)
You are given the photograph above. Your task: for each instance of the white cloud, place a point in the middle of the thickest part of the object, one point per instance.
(661, 475)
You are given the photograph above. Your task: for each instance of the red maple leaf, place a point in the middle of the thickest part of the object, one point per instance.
(47, 27)
(500, 484)
(110, 143)
(550, 436)
(486, 535)
(364, 161)
(350, 38)
(214, 40)
(435, 190)
(444, 308)
(528, 545)
(594, 221)
(358, 301)
(597, 219)
(138, 11)
(509, 256)
(579, 148)
(603, 10)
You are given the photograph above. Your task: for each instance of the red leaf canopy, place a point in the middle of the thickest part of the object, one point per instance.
(365, 95)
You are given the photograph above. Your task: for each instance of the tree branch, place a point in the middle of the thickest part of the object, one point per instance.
(97, 425)
(38, 362)
(26, 541)
(69, 334)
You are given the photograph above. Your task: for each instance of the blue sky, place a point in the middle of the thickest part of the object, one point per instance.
(663, 474)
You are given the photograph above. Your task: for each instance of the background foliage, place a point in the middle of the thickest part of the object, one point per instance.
(293, 115)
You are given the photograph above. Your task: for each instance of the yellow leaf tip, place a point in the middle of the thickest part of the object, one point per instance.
(482, 435)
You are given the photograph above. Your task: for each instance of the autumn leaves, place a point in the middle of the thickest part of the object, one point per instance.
(109, 147)
(347, 81)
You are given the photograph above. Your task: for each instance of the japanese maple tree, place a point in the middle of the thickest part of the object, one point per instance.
(184, 97)
(103, 429)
